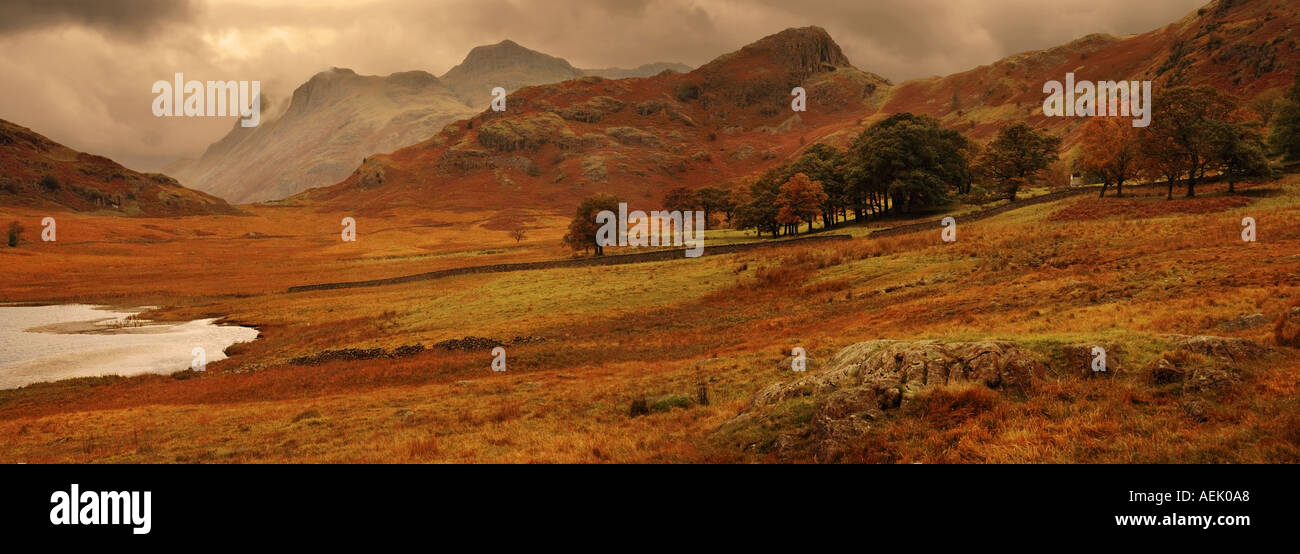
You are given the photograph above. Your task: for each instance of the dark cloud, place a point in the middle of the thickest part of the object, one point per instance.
(127, 18)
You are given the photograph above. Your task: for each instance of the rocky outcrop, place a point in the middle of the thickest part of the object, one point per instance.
(1231, 349)
(1207, 369)
(883, 372)
(526, 133)
(867, 379)
(592, 110)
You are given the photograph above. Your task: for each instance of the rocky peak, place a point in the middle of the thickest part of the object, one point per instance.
(801, 51)
(508, 55)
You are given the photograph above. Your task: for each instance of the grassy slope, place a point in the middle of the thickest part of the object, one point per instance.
(1075, 270)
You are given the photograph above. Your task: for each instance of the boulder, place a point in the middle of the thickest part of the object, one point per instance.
(882, 373)
(1164, 372)
(1232, 349)
(866, 380)
(1079, 357)
(1214, 380)
(1247, 321)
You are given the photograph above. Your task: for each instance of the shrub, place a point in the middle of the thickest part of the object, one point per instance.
(639, 407)
(1287, 329)
(50, 183)
(15, 233)
(669, 402)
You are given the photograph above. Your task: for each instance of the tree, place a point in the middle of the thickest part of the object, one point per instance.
(583, 228)
(514, 225)
(1160, 158)
(823, 163)
(1186, 129)
(1109, 152)
(680, 199)
(50, 183)
(1241, 156)
(908, 161)
(736, 200)
(799, 201)
(713, 200)
(1285, 139)
(760, 211)
(15, 233)
(1016, 157)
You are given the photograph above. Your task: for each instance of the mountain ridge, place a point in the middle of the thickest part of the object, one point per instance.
(37, 172)
(729, 119)
(338, 117)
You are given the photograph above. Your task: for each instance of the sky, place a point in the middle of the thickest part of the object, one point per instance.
(81, 71)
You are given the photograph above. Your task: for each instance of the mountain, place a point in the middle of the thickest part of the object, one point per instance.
(634, 137)
(645, 70)
(332, 121)
(730, 119)
(507, 65)
(40, 173)
(1245, 47)
(337, 118)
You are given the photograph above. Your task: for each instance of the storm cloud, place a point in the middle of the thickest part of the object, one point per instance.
(129, 19)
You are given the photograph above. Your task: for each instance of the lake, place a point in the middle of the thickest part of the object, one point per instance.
(48, 343)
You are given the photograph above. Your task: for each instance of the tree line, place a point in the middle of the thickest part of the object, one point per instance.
(907, 163)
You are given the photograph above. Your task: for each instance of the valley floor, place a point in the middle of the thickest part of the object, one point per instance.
(600, 340)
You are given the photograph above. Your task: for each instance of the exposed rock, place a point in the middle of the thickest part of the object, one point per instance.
(1079, 359)
(1232, 349)
(883, 372)
(743, 152)
(680, 117)
(1211, 380)
(651, 107)
(1247, 321)
(631, 136)
(865, 380)
(593, 168)
(526, 132)
(592, 110)
(1164, 371)
(370, 174)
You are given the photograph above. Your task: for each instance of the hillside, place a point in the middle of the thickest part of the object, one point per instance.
(634, 137)
(384, 374)
(37, 172)
(338, 117)
(731, 118)
(1247, 48)
(332, 121)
